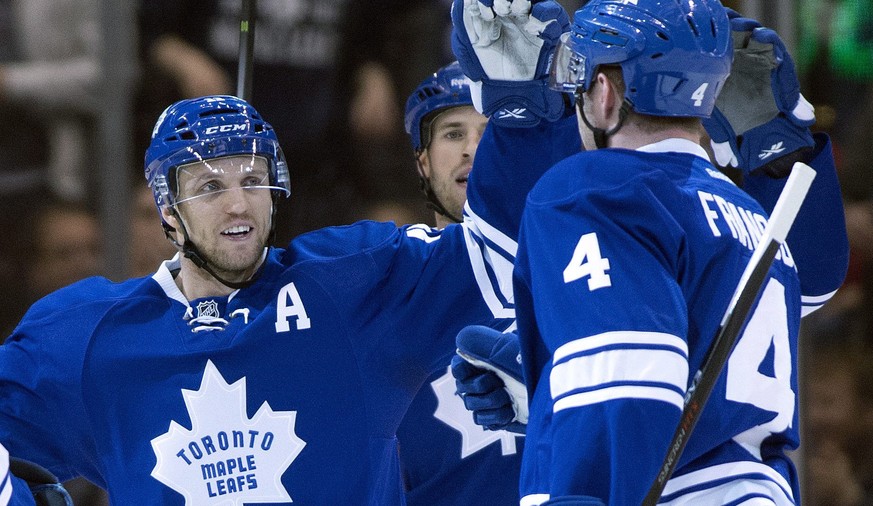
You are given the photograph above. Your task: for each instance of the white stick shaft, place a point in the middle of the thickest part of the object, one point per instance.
(780, 221)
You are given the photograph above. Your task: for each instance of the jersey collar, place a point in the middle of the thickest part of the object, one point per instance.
(164, 277)
(675, 145)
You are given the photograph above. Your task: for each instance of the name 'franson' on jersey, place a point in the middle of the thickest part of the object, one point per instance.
(745, 226)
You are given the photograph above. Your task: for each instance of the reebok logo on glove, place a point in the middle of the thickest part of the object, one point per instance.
(775, 149)
(517, 113)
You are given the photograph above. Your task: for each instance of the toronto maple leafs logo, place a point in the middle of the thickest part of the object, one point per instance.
(227, 458)
(451, 411)
(208, 308)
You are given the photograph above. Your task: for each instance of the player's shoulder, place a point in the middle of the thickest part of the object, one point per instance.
(361, 239)
(340, 241)
(91, 296)
(600, 171)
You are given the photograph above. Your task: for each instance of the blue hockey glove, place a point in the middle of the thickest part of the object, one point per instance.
(504, 47)
(761, 121)
(44, 486)
(487, 371)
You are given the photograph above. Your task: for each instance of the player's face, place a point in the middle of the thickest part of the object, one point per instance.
(447, 162)
(226, 206)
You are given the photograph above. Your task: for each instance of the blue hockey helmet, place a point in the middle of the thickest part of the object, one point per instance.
(447, 87)
(198, 129)
(675, 55)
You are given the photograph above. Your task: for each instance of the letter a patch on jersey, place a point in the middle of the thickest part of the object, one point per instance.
(227, 458)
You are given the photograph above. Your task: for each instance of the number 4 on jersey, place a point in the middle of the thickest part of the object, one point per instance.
(588, 262)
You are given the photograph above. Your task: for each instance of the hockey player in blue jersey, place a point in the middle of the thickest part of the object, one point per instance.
(445, 457)
(629, 252)
(244, 374)
(445, 130)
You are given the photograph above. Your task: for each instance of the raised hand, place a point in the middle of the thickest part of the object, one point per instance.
(761, 121)
(504, 47)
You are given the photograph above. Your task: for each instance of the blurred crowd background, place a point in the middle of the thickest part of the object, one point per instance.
(83, 81)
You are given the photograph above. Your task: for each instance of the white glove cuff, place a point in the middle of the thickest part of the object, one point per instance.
(803, 110)
(476, 95)
(724, 155)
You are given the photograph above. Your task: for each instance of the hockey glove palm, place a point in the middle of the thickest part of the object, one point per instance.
(761, 121)
(504, 47)
(487, 371)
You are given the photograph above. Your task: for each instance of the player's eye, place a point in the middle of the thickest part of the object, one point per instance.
(454, 135)
(208, 187)
(255, 180)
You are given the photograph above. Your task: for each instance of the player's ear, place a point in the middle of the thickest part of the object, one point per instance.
(610, 98)
(170, 217)
(423, 164)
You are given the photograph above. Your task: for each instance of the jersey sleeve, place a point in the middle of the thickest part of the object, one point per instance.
(509, 161)
(41, 404)
(818, 238)
(615, 366)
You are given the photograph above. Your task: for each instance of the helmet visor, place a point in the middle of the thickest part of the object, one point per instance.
(567, 73)
(205, 154)
(207, 181)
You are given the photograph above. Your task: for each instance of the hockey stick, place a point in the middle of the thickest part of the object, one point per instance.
(734, 319)
(246, 49)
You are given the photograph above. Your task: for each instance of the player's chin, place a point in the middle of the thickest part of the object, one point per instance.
(238, 262)
(243, 252)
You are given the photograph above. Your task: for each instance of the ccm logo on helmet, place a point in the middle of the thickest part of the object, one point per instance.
(225, 128)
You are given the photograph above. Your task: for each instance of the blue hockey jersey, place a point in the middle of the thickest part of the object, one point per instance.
(296, 398)
(626, 263)
(291, 389)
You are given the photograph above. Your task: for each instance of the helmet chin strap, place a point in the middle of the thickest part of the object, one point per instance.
(433, 202)
(600, 135)
(192, 252)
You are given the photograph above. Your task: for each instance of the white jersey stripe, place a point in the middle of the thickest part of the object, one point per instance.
(5, 477)
(498, 269)
(651, 367)
(5, 490)
(619, 392)
(533, 499)
(620, 338)
(484, 229)
(810, 304)
(494, 291)
(492, 267)
(751, 478)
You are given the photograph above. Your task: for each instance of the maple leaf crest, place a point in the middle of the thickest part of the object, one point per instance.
(451, 411)
(227, 458)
